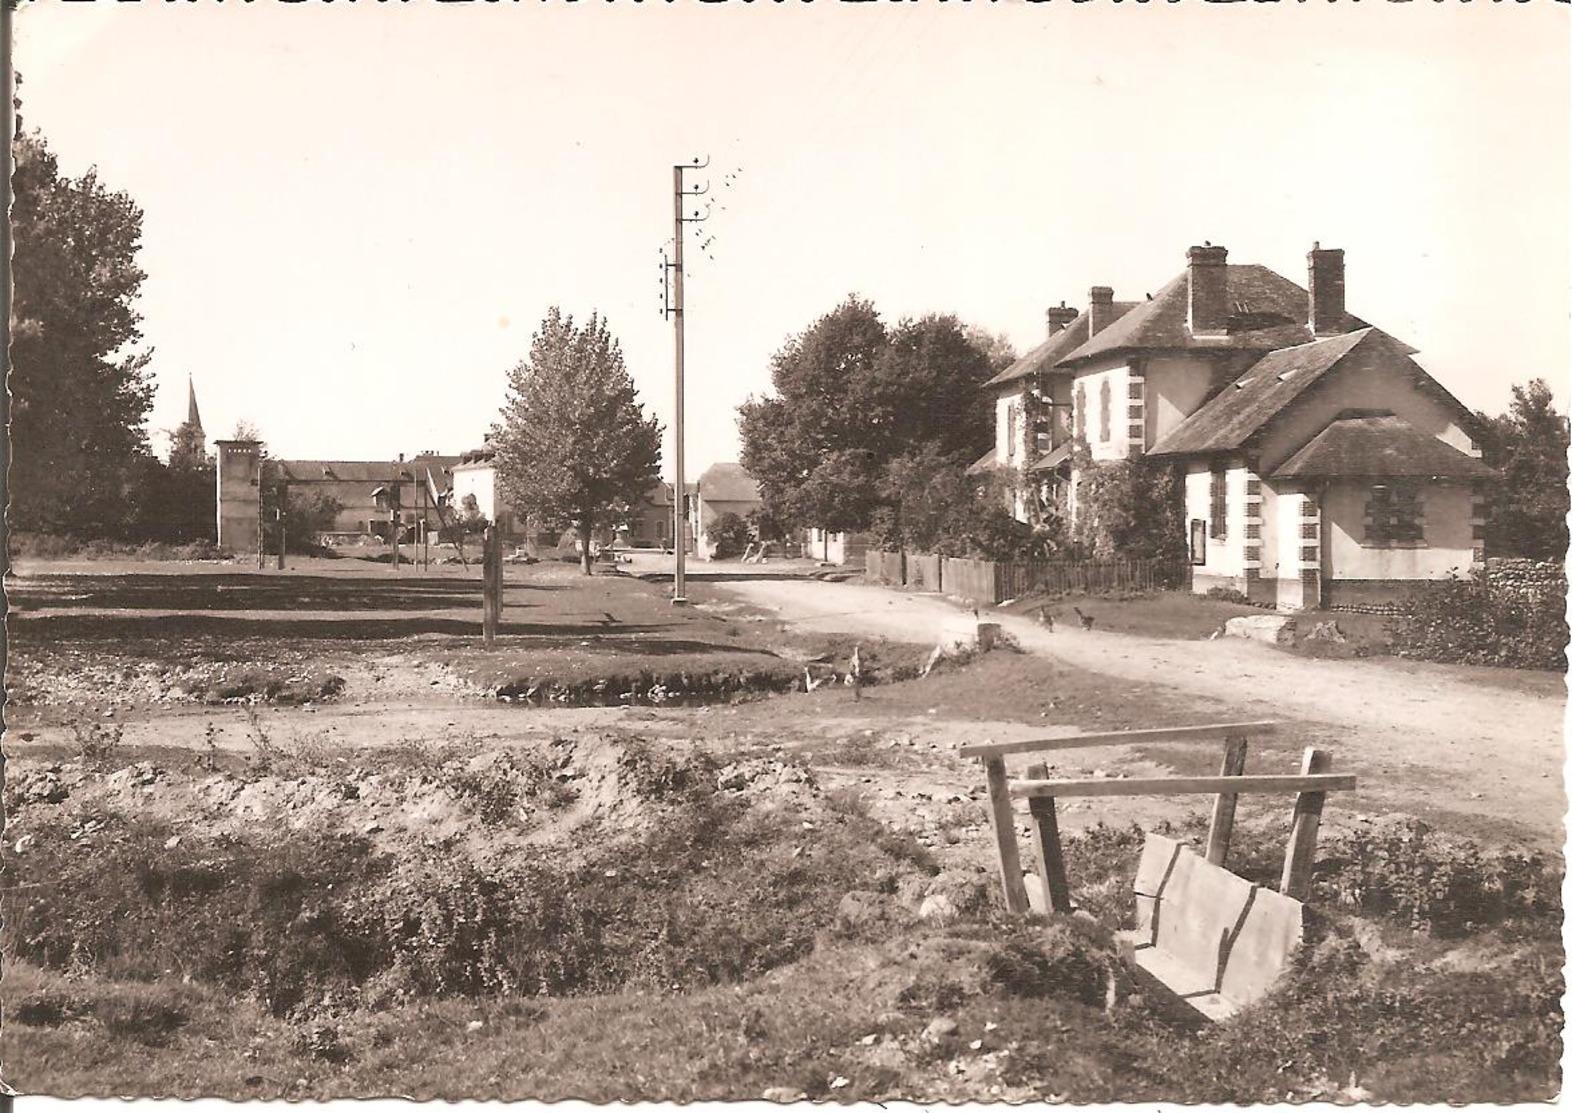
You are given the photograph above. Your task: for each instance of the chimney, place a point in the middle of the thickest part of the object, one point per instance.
(1208, 290)
(1059, 318)
(1100, 311)
(1327, 315)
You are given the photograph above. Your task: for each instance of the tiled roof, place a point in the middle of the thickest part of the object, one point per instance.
(361, 471)
(1232, 416)
(1054, 458)
(985, 465)
(728, 482)
(1055, 348)
(1267, 311)
(1383, 447)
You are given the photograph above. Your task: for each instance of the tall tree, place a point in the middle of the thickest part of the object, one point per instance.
(573, 444)
(1528, 445)
(80, 390)
(851, 398)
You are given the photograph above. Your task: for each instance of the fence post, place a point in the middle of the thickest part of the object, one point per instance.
(1222, 828)
(1049, 854)
(1300, 859)
(1003, 817)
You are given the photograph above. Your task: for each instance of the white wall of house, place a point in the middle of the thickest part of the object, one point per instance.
(1010, 441)
(478, 479)
(1367, 380)
(1116, 445)
(1175, 388)
(1225, 556)
(1448, 544)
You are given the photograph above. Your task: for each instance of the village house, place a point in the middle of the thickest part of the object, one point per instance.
(723, 488)
(354, 485)
(1323, 466)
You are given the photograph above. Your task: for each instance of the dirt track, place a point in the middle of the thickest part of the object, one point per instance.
(1497, 751)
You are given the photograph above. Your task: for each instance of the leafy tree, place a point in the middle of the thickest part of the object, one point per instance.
(307, 515)
(188, 448)
(729, 534)
(1528, 445)
(80, 391)
(573, 441)
(851, 398)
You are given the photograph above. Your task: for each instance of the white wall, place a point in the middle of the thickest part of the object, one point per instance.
(1448, 545)
(479, 480)
(1224, 555)
(1117, 376)
(1175, 388)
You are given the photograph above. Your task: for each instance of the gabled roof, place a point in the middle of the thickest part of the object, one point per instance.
(1043, 357)
(728, 482)
(1267, 311)
(1380, 447)
(1234, 415)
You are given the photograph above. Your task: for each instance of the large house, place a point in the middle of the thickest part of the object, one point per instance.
(1323, 466)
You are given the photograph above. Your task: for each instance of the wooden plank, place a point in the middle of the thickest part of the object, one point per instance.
(1300, 859)
(1211, 732)
(1181, 786)
(1222, 827)
(1047, 852)
(1003, 816)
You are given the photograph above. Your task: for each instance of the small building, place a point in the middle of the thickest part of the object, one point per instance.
(724, 488)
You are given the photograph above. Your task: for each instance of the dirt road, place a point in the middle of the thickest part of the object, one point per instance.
(1497, 751)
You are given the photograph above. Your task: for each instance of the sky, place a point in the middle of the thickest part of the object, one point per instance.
(356, 214)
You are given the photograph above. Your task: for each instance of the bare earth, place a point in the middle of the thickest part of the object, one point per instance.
(1494, 752)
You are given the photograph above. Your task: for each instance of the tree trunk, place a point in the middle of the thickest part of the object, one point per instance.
(585, 560)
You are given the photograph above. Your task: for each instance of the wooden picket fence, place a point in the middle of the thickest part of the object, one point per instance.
(989, 582)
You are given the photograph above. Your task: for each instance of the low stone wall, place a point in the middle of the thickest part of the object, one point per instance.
(1528, 580)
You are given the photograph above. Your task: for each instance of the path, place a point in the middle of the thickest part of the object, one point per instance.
(1469, 740)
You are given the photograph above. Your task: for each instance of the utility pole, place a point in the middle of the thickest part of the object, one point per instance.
(674, 309)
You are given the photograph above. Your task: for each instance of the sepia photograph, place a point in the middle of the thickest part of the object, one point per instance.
(786, 551)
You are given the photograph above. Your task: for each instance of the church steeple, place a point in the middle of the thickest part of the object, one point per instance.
(193, 418)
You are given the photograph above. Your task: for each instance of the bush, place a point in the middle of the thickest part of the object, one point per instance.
(729, 534)
(1227, 595)
(1465, 622)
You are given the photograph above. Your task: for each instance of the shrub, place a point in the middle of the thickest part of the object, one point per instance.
(1227, 595)
(729, 534)
(1465, 622)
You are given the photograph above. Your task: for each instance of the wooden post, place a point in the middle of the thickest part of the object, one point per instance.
(1300, 859)
(1048, 854)
(489, 603)
(1234, 750)
(1003, 817)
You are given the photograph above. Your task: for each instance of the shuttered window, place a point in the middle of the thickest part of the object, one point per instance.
(1219, 501)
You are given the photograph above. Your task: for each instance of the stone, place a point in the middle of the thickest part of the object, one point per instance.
(940, 1028)
(858, 909)
(967, 890)
(938, 908)
(1270, 628)
(1327, 632)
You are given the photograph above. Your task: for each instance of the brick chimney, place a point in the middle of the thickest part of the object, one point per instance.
(1208, 290)
(1100, 310)
(1060, 316)
(1327, 314)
